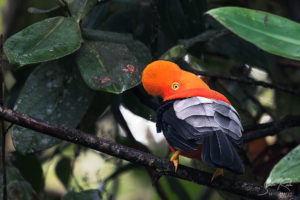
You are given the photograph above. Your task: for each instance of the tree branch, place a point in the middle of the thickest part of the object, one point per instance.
(3, 131)
(160, 165)
(271, 128)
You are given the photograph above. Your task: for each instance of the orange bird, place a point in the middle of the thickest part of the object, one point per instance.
(196, 121)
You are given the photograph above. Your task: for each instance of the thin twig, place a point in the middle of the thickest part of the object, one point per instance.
(247, 81)
(261, 107)
(160, 165)
(203, 37)
(271, 128)
(3, 131)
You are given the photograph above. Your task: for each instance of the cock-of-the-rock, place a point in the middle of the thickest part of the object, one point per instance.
(196, 121)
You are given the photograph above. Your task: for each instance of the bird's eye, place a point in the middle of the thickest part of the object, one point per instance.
(175, 86)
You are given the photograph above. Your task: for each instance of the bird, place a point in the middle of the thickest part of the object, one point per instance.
(196, 121)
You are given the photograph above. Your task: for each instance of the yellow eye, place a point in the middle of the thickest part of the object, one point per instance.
(175, 86)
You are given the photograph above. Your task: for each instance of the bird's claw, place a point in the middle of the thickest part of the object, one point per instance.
(218, 172)
(175, 160)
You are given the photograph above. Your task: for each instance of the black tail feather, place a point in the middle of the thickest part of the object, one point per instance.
(219, 152)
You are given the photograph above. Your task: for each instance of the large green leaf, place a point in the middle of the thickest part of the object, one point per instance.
(46, 40)
(137, 48)
(108, 66)
(286, 170)
(112, 62)
(269, 32)
(53, 93)
(80, 8)
(87, 195)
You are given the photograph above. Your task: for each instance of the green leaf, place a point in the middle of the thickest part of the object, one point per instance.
(63, 170)
(131, 102)
(49, 39)
(177, 188)
(137, 48)
(174, 53)
(286, 170)
(53, 93)
(87, 195)
(97, 107)
(28, 164)
(17, 188)
(263, 29)
(109, 66)
(80, 8)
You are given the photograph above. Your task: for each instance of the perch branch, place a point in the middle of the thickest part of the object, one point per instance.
(160, 165)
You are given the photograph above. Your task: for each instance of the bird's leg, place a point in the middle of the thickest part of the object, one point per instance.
(218, 172)
(175, 159)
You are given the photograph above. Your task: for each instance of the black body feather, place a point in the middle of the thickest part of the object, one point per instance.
(186, 123)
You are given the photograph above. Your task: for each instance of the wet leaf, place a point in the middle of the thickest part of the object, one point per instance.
(262, 29)
(109, 66)
(286, 170)
(46, 40)
(53, 93)
(87, 195)
(137, 48)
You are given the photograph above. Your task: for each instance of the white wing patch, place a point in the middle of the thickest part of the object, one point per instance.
(209, 115)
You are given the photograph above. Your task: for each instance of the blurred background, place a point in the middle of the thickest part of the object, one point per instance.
(66, 171)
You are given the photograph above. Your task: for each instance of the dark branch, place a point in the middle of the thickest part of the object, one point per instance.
(3, 131)
(160, 165)
(272, 128)
(203, 37)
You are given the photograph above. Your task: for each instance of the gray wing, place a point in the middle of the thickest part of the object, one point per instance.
(209, 116)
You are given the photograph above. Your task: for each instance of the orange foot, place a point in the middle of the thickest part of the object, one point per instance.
(218, 172)
(175, 159)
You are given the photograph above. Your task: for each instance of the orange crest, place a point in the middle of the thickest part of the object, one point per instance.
(164, 78)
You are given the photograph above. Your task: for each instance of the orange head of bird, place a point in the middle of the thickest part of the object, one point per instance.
(165, 78)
